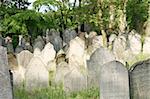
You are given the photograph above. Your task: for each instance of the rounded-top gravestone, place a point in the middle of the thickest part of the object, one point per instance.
(97, 59)
(114, 82)
(140, 80)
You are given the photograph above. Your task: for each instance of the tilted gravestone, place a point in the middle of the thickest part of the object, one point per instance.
(140, 80)
(5, 85)
(114, 82)
(97, 59)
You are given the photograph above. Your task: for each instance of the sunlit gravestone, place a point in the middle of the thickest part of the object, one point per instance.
(5, 83)
(114, 82)
(140, 80)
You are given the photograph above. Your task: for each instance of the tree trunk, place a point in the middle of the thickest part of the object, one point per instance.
(112, 15)
(100, 18)
(122, 19)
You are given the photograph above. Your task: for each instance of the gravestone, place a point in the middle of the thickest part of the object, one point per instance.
(75, 81)
(22, 41)
(28, 47)
(146, 46)
(5, 83)
(96, 42)
(76, 54)
(121, 50)
(8, 41)
(18, 77)
(10, 48)
(19, 49)
(112, 38)
(97, 59)
(53, 37)
(140, 80)
(114, 81)
(68, 35)
(135, 40)
(61, 70)
(39, 43)
(36, 75)
(48, 53)
(2, 41)
(24, 58)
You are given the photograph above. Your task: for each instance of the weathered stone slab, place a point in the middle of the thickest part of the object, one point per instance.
(76, 54)
(146, 46)
(2, 41)
(97, 59)
(140, 80)
(36, 76)
(61, 71)
(68, 35)
(39, 43)
(93, 44)
(5, 83)
(135, 42)
(53, 36)
(48, 53)
(19, 49)
(114, 82)
(18, 77)
(10, 48)
(75, 81)
(24, 58)
(3, 54)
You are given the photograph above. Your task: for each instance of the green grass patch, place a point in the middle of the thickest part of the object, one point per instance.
(56, 93)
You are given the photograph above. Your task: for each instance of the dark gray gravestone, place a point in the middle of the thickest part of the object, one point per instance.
(97, 59)
(53, 37)
(114, 82)
(68, 35)
(5, 84)
(10, 48)
(19, 49)
(140, 80)
(2, 41)
(39, 43)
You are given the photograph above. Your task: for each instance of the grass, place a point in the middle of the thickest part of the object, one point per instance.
(56, 93)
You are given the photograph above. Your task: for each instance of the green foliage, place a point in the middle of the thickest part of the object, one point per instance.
(15, 18)
(137, 13)
(56, 93)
